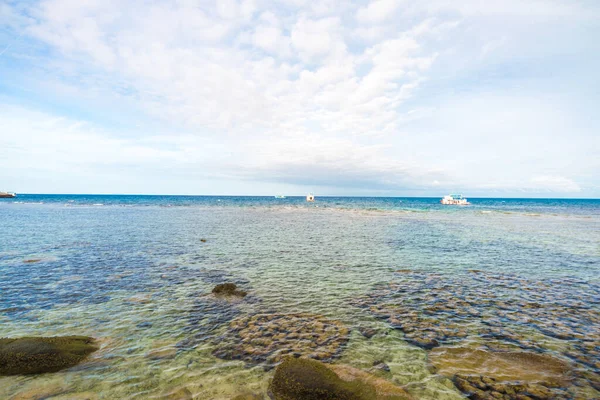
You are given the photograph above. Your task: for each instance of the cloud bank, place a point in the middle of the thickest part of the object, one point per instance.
(252, 97)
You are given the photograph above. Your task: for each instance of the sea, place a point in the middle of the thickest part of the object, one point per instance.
(391, 284)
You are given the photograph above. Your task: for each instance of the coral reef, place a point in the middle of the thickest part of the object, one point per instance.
(269, 337)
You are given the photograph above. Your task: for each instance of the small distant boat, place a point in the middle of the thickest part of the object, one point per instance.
(454, 200)
(310, 197)
(7, 195)
(280, 197)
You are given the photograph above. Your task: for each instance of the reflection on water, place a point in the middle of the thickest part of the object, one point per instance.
(138, 275)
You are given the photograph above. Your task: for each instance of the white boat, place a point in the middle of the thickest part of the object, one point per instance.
(310, 197)
(280, 197)
(7, 195)
(454, 200)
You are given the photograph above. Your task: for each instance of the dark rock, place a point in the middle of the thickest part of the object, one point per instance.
(381, 366)
(228, 289)
(36, 355)
(367, 332)
(423, 342)
(464, 386)
(305, 379)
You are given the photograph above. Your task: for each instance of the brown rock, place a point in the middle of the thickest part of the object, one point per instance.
(522, 366)
(248, 396)
(162, 354)
(368, 332)
(384, 389)
(40, 392)
(228, 289)
(305, 379)
(36, 355)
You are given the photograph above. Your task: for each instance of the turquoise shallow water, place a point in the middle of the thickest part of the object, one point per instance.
(135, 272)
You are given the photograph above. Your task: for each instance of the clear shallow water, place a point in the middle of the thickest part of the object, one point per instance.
(134, 272)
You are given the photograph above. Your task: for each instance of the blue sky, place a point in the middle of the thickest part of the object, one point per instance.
(384, 98)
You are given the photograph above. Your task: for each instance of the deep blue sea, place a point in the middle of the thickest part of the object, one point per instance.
(551, 206)
(136, 272)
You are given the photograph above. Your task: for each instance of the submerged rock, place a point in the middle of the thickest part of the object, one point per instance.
(502, 308)
(380, 365)
(36, 355)
(248, 396)
(368, 332)
(162, 354)
(305, 379)
(270, 337)
(178, 394)
(228, 289)
(483, 387)
(40, 392)
(502, 366)
(206, 316)
(504, 375)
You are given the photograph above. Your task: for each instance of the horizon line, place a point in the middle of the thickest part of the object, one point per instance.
(300, 195)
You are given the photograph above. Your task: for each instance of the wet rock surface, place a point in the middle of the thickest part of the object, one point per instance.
(267, 338)
(306, 379)
(36, 355)
(506, 311)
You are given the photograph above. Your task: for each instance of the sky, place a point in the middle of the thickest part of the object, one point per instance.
(252, 97)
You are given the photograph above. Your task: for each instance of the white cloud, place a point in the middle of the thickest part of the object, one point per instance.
(316, 40)
(49, 147)
(378, 11)
(384, 94)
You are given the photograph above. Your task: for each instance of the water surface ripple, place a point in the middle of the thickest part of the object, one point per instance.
(136, 272)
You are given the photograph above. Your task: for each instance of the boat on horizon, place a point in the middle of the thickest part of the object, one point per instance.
(7, 195)
(454, 200)
(280, 196)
